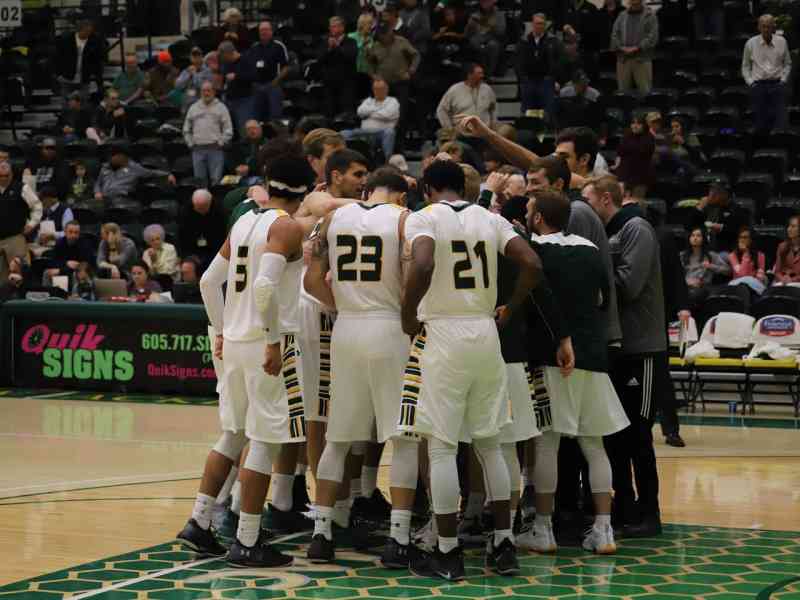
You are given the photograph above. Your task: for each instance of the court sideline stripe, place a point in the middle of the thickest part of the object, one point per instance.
(163, 572)
(98, 487)
(30, 502)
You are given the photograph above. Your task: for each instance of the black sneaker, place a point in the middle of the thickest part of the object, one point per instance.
(675, 440)
(261, 555)
(448, 566)
(503, 558)
(300, 499)
(649, 526)
(321, 550)
(287, 521)
(200, 540)
(395, 555)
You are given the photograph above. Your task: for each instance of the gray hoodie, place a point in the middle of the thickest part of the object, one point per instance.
(207, 124)
(639, 30)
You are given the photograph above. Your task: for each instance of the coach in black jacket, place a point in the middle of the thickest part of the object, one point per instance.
(82, 49)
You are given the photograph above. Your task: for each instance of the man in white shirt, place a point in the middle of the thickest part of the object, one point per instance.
(469, 97)
(766, 65)
(379, 117)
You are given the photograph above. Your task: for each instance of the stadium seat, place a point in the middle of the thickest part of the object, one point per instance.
(783, 329)
(768, 238)
(738, 96)
(775, 304)
(770, 160)
(728, 161)
(79, 149)
(708, 45)
(670, 188)
(714, 77)
(624, 101)
(657, 206)
(183, 167)
(680, 215)
(662, 98)
(722, 117)
(155, 215)
(787, 139)
(689, 116)
(122, 216)
(168, 205)
(84, 216)
(700, 97)
(749, 206)
(674, 45)
(700, 183)
(681, 80)
(778, 210)
(758, 186)
(732, 298)
(791, 185)
(155, 161)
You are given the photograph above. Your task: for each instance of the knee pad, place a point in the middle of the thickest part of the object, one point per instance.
(599, 465)
(444, 476)
(545, 473)
(512, 463)
(405, 464)
(332, 461)
(261, 457)
(230, 444)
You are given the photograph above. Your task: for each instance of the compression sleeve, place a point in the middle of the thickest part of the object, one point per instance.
(270, 271)
(211, 291)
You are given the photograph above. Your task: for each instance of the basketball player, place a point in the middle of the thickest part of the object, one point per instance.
(360, 246)
(262, 243)
(452, 289)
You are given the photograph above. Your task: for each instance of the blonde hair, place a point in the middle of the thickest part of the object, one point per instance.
(472, 183)
(232, 12)
(454, 149)
(365, 22)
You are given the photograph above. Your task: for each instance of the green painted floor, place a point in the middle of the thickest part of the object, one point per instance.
(686, 562)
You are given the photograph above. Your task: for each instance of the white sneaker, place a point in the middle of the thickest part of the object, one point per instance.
(600, 540)
(539, 539)
(426, 537)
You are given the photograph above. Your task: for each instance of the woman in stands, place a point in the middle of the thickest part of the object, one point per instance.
(142, 288)
(160, 256)
(701, 265)
(116, 253)
(635, 158)
(787, 259)
(748, 264)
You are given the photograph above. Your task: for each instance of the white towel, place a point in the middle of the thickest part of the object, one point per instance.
(702, 349)
(733, 330)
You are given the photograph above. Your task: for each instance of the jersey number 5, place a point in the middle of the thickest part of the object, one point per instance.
(241, 268)
(467, 282)
(370, 255)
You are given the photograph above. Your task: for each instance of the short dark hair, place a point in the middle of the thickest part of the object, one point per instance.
(555, 168)
(584, 139)
(72, 223)
(444, 175)
(554, 206)
(387, 177)
(142, 264)
(289, 176)
(341, 160)
(470, 67)
(274, 148)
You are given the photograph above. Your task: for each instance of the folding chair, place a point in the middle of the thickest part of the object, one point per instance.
(680, 371)
(785, 331)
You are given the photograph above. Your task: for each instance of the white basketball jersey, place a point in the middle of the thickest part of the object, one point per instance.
(468, 239)
(289, 296)
(364, 254)
(248, 239)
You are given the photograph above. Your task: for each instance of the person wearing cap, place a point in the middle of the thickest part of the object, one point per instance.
(48, 168)
(766, 66)
(579, 88)
(120, 175)
(74, 120)
(720, 216)
(634, 38)
(207, 129)
(271, 61)
(130, 81)
(191, 79)
(159, 81)
(110, 119)
(379, 117)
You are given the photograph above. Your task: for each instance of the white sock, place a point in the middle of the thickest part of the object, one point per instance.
(282, 491)
(249, 528)
(543, 521)
(300, 469)
(513, 515)
(203, 507)
(323, 521)
(446, 544)
(341, 513)
(502, 534)
(355, 490)
(400, 526)
(601, 521)
(369, 480)
(236, 497)
(225, 492)
(474, 505)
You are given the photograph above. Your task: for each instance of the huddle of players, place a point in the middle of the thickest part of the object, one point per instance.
(415, 357)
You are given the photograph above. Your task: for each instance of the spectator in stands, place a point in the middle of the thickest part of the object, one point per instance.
(486, 32)
(81, 188)
(635, 158)
(202, 228)
(141, 288)
(79, 58)
(337, 60)
(159, 81)
(271, 61)
(766, 66)
(318, 145)
(238, 74)
(16, 282)
(418, 23)
(191, 79)
(74, 120)
(48, 168)
(116, 252)
(701, 265)
(120, 175)
(579, 87)
(110, 119)
(721, 216)
(390, 16)
(709, 19)
(130, 81)
(83, 286)
(55, 216)
(67, 255)
(685, 146)
(452, 29)
(207, 130)
(20, 213)
(787, 258)
(246, 152)
(469, 97)
(578, 146)
(609, 12)
(654, 124)
(190, 270)
(215, 69)
(634, 38)
(379, 117)
(585, 22)
(362, 36)
(748, 264)
(539, 56)
(160, 257)
(396, 61)
(233, 30)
